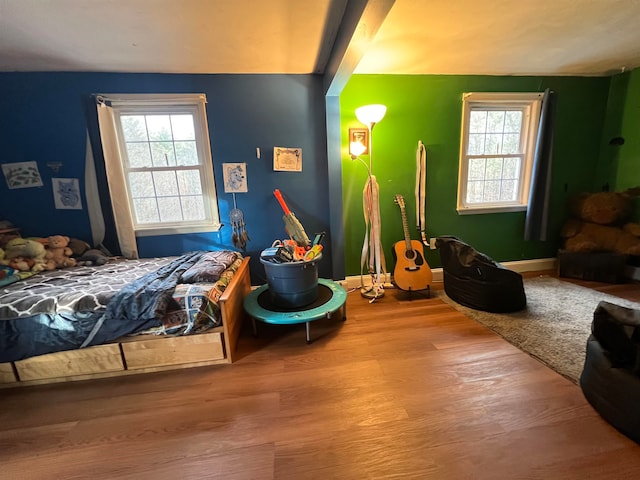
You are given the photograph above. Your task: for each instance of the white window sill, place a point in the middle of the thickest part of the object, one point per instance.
(154, 232)
(491, 209)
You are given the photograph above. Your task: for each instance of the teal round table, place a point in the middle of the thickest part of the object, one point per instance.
(331, 298)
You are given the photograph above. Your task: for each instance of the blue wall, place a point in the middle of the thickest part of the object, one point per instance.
(43, 119)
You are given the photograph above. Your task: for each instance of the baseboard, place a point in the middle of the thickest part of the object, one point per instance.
(519, 266)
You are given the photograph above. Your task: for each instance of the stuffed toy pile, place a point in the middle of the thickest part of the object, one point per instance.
(600, 223)
(26, 255)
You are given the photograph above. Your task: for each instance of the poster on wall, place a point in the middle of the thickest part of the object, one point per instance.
(287, 159)
(22, 175)
(66, 193)
(235, 177)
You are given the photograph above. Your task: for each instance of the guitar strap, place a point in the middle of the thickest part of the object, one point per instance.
(372, 254)
(421, 190)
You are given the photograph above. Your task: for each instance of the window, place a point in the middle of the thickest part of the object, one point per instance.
(164, 157)
(499, 133)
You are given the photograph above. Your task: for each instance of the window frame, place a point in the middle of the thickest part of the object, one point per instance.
(170, 104)
(529, 104)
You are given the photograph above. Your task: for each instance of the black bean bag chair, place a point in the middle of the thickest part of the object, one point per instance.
(476, 281)
(610, 379)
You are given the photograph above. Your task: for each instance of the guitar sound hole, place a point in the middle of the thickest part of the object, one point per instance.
(409, 254)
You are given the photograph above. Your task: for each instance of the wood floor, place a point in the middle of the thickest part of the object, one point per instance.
(403, 389)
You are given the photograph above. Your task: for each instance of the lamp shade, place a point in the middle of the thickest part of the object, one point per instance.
(370, 114)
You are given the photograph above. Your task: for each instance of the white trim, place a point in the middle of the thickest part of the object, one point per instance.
(530, 104)
(144, 104)
(519, 266)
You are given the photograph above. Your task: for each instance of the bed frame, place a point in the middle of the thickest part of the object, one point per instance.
(144, 353)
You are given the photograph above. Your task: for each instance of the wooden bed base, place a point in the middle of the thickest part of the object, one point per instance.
(144, 353)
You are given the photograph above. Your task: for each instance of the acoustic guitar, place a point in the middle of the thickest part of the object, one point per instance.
(411, 271)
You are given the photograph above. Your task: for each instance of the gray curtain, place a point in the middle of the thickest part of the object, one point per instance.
(537, 218)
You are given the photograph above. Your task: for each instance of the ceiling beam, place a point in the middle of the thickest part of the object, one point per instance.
(360, 23)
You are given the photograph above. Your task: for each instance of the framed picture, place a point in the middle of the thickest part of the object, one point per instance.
(287, 159)
(235, 177)
(359, 136)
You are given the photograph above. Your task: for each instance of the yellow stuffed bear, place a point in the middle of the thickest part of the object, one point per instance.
(600, 224)
(59, 252)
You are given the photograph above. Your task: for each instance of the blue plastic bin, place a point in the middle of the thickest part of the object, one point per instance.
(292, 284)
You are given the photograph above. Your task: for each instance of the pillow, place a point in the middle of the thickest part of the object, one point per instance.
(210, 266)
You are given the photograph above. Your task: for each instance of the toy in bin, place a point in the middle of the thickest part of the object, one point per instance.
(291, 224)
(277, 255)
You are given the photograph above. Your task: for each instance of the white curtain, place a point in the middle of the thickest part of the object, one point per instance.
(117, 184)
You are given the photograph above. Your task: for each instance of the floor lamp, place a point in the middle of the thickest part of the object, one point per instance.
(372, 253)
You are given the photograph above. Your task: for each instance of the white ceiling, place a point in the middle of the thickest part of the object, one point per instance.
(494, 37)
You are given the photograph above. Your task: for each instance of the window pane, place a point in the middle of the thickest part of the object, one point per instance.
(476, 168)
(493, 144)
(141, 184)
(166, 183)
(511, 168)
(509, 190)
(478, 121)
(182, 126)
(146, 210)
(511, 143)
(513, 121)
(491, 191)
(159, 127)
(170, 209)
(193, 207)
(476, 144)
(189, 182)
(495, 121)
(474, 192)
(186, 153)
(134, 128)
(139, 155)
(494, 168)
(163, 155)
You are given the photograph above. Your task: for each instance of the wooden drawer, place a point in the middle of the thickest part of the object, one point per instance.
(6, 373)
(165, 351)
(98, 359)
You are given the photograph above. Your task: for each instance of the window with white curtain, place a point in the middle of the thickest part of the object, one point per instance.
(499, 132)
(158, 156)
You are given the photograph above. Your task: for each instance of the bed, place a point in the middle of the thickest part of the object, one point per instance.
(127, 316)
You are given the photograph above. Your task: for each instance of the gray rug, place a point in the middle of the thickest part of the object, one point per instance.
(555, 325)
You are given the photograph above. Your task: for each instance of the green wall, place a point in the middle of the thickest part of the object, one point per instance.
(428, 108)
(627, 167)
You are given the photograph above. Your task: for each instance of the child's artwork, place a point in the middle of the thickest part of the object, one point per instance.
(235, 177)
(287, 159)
(22, 174)
(66, 193)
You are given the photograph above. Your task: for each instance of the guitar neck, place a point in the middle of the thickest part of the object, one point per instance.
(405, 227)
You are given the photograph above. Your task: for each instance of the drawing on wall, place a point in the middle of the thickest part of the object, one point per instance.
(66, 193)
(235, 177)
(22, 174)
(287, 159)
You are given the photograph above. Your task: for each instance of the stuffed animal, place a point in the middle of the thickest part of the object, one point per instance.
(78, 247)
(59, 252)
(93, 256)
(22, 264)
(600, 224)
(27, 254)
